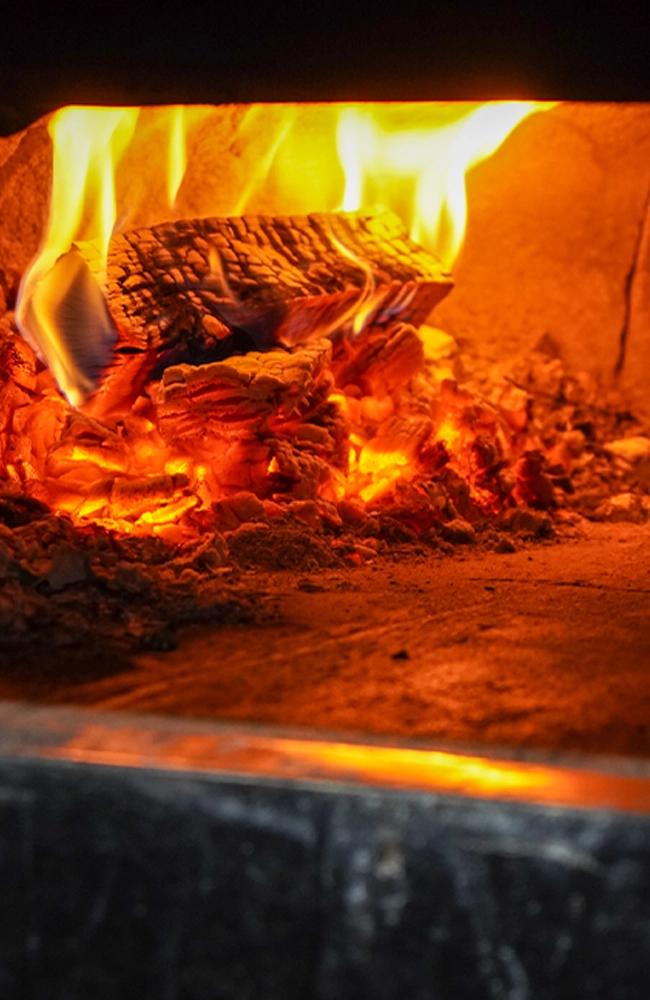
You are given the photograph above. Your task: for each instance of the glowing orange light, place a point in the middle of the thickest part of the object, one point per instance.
(373, 460)
(338, 762)
(178, 464)
(169, 512)
(449, 433)
(377, 410)
(415, 767)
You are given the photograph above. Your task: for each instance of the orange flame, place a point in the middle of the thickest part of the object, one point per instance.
(429, 159)
(61, 309)
(388, 152)
(87, 144)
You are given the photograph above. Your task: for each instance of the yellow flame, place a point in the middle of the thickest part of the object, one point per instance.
(177, 152)
(413, 158)
(367, 301)
(87, 144)
(260, 171)
(428, 160)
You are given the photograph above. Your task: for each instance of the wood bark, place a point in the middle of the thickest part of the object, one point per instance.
(281, 279)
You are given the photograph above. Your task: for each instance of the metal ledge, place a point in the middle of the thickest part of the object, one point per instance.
(150, 857)
(256, 753)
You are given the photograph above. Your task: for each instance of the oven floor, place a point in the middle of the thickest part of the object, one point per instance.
(546, 647)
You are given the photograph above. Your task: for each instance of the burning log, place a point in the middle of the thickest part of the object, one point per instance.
(250, 410)
(380, 359)
(283, 279)
(234, 396)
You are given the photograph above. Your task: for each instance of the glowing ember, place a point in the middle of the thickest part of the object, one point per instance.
(281, 357)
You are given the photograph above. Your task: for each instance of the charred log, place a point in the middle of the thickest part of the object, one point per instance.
(241, 394)
(250, 410)
(380, 360)
(282, 279)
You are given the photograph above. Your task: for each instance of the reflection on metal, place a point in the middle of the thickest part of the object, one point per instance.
(250, 753)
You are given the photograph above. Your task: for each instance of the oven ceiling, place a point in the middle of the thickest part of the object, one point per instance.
(250, 51)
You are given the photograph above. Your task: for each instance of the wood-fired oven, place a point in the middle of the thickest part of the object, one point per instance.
(283, 716)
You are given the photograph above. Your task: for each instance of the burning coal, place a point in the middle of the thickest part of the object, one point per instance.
(282, 356)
